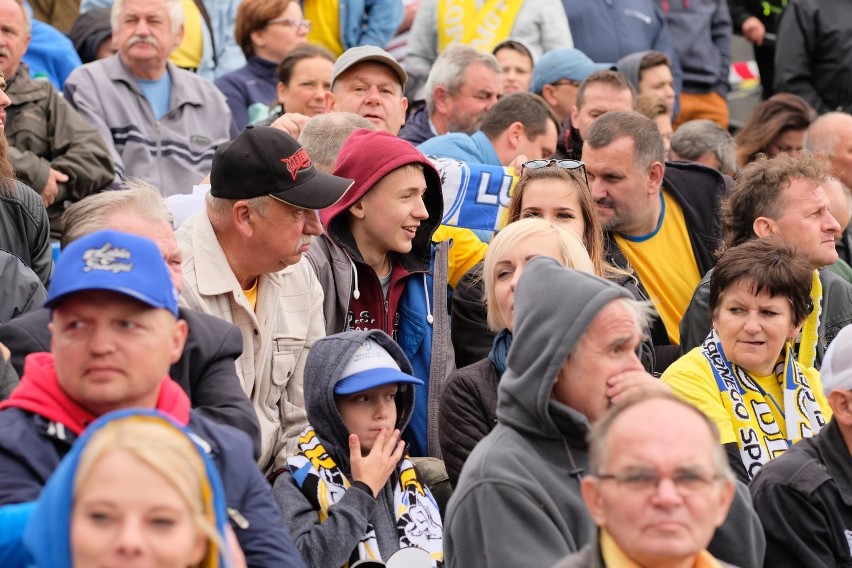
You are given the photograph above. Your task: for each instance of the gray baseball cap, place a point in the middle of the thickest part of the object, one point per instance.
(364, 53)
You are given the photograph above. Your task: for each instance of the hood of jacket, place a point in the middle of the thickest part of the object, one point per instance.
(366, 157)
(323, 370)
(549, 321)
(47, 536)
(631, 65)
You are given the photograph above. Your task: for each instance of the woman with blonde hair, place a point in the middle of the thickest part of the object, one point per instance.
(135, 487)
(469, 401)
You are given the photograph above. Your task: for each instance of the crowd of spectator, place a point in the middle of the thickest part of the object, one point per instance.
(423, 283)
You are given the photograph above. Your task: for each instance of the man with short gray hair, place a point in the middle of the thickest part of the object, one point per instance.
(705, 142)
(462, 85)
(161, 123)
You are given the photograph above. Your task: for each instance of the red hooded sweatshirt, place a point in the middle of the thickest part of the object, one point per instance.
(39, 392)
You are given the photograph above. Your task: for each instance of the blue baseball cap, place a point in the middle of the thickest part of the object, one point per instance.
(371, 366)
(560, 64)
(114, 261)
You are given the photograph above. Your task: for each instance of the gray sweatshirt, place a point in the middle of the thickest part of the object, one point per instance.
(331, 543)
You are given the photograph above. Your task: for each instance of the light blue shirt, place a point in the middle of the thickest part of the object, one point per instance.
(158, 93)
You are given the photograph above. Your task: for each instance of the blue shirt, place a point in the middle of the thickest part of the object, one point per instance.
(473, 148)
(158, 93)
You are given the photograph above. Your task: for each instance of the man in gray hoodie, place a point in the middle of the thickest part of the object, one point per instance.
(518, 499)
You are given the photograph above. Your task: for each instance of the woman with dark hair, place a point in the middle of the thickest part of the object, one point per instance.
(776, 125)
(745, 376)
(266, 30)
(304, 77)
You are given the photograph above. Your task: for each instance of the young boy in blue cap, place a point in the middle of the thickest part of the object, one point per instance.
(351, 493)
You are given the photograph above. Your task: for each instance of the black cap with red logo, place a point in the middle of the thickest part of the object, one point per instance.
(268, 161)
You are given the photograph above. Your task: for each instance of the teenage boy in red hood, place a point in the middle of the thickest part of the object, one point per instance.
(379, 268)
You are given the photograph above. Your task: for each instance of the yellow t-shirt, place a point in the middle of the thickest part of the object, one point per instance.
(325, 19)
(251, 294)
(692, 380)
(188, 53)
(664, 262)
(466, 251)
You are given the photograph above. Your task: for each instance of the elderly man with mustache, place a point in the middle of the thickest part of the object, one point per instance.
(162, 123)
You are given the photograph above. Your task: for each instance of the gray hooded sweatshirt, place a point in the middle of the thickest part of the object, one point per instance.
(330, 544)
(518, 500)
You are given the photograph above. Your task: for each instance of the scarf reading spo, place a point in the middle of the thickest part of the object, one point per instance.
(759, 436)
(481, 28)
(418, 520)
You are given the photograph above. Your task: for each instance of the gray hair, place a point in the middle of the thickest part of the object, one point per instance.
(323, 136)
(648, 144)
(695, 138)
(821, 136)
(91, 213)
(28, 23)
(448, 70)
(174, 7)
(600, 430)
(219, 209)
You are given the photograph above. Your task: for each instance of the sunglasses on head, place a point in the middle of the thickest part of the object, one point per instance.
(563, 164)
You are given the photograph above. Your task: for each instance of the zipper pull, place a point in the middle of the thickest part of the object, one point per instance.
(238, 518)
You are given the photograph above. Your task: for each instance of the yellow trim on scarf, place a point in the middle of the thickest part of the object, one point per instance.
(479, 27)
(810, 330)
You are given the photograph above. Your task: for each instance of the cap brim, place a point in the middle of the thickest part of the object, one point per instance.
(51, 302)
(373, 378)
(319, 192)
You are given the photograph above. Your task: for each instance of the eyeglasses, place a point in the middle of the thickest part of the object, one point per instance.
(291, 23)
(646, 483)
(563, 164)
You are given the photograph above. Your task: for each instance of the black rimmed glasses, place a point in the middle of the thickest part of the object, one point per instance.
(563, 164)
(641, 482)
(292, 23)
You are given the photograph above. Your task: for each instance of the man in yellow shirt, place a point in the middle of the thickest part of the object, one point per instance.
(661, 219)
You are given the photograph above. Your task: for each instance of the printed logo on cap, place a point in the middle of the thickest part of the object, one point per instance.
(107, 258)
(297, 162)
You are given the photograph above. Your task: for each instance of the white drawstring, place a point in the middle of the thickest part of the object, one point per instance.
(429, 317)
(356, 293)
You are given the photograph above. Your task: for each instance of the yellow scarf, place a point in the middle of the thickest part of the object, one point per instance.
(810, 330)
(759, 437)
(479, 27)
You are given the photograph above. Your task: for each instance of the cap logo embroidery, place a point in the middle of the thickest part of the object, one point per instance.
(297, 162)
(107, 258)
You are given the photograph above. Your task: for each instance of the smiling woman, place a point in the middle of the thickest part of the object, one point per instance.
(745, 376)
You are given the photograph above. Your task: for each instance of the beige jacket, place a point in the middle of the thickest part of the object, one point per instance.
(277, 335)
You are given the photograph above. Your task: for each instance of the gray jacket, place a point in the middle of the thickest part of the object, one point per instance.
(330, 544)
(172, 153)
(333, 268)
(836, 313)
(518, 501)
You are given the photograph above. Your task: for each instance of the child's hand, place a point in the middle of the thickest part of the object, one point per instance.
(375, 468)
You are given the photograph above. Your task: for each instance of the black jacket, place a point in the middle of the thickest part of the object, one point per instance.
(25, 228)
(813, 58)
(417, 129)
(205, 371)
(698, 190)
(468, 412)
(804, 500)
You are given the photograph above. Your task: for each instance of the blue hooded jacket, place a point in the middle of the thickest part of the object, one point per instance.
(47, 536)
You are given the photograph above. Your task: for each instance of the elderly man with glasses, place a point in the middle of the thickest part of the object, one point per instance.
(659, 486)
